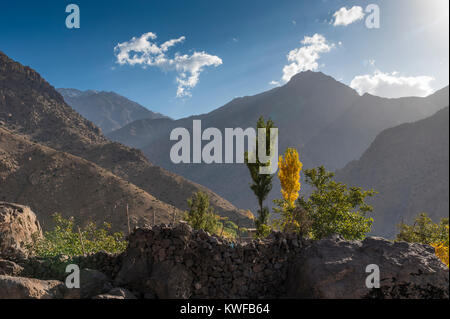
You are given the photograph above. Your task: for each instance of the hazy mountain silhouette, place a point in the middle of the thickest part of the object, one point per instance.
(108, 110)
(409, 166)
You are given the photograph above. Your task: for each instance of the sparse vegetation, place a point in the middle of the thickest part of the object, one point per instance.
(65, 240)
(202, 216)
(425, 231)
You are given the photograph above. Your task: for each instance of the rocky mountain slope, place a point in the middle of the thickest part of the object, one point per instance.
(327, 121)
(32, 107)
(409, 166)
(51, 181)
(108, 110)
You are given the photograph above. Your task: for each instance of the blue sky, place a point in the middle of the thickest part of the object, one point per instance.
(407, 55)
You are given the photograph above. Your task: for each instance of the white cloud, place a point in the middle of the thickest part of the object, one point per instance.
(305, 58)
(392, 85)
(345, 17)
(276, 83)
(143, 51)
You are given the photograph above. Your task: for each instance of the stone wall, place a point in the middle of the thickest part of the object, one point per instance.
(182, 263)
(179, 262)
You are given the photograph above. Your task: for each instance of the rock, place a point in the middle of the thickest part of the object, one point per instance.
(122, 292)
(27, 288)
(170, 281)
(92, 283)
(136, 268)
(18, 229)
(116, 293)
(106, 296)
(334, 268)
(9, 268)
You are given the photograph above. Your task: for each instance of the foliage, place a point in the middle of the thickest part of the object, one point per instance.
(261, 183)
(289, 174)
(425, 231)
(63, 240)
(441, 250)
(292, 218)
(334, 208)
(230, 229)
(200, 214)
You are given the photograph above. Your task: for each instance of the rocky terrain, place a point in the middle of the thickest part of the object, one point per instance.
(408, 166)
(72, 186)
(31, 107)
(108, 110)
(167, 262)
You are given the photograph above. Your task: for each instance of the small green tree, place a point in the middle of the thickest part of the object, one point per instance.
(333, 208)
(261, 183)
(200, 214)
(423, 230)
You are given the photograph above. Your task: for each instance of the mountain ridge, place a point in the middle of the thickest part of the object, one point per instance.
(329, 124)
(108, 110)
(32, 107)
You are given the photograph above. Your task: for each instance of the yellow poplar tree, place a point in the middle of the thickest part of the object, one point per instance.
(289, 174)
(441, 249)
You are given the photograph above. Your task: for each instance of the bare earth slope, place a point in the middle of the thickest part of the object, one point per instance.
(50, 181)
(32, 107)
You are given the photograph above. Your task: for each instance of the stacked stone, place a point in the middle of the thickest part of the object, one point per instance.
(206, 266)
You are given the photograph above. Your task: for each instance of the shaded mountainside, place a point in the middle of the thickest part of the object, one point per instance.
(50, 181)
(351, 134)
(108, 110)
(32, 107)
(327, 121)
(409, 166)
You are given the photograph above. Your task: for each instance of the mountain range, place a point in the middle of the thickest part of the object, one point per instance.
(328, 122)
(31, 109)
(108, 110)
(48, 150)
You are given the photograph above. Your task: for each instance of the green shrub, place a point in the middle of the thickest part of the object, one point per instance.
(201, 215)
(64, 240)
(424, 231)
(334, 208)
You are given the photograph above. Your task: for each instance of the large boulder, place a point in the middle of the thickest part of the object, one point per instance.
(18, 228)
(92, 283)
(170, 281)
(335, 268)
(27, 288)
